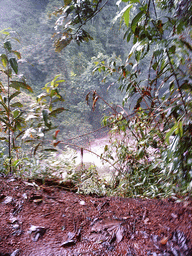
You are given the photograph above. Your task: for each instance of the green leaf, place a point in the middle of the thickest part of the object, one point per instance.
(60, 81)
(14, 65)
(36, 148)
(186, 44)
(129, 36)
(186, 86)
(7, 46)
(6, 123)
(136, 20)
(16, 104)
(155, 65)
(17, 54)
(138, 55)
(126, 15)
(46, 118)
(17, 85)
(4, 32)
(138, 103)
(50, 149)
(61, 43)
(158, 52)
(16, 113)
(67, 2)
(21, 133)
(4, 60)
(177, 129)
(5, 107)
(172, 49)
(56, 111)
(171, 86)
(58, 99)
(15, 94)
(122, 13)
(55, 78)
(3, 138)
(136, 47)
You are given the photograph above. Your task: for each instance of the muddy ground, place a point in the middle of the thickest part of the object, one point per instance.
(48, 219)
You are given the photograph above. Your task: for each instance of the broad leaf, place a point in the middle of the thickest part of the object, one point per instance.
(17, 104)
(16, 113)
(3, 138)
(61, 43)
(67, 2)
(172, 49)
(4, 32)
(4, 60)
(126, 15)
(15, 94)
(7, 46)
(17, 54)
(46, 118)
(17, 85)
(36, 148)
(5, 107)
(14, 65)
(6, 123)
(56, 111)
(136, 20)
(122, 12)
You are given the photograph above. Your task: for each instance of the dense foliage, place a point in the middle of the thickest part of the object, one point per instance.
(35, 25)
(147, 76)
(23, 121)
(156, 82)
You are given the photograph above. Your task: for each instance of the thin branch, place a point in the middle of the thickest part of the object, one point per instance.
(8, 116)
(91, 16)
(147, 14)
(154, 8)
(177, 81)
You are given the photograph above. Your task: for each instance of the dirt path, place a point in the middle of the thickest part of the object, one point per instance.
(48, 220)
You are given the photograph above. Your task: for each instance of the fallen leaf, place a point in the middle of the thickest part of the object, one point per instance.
(119, 234)
(82, 202)
(36, 232)
(8, 199)
(164, 240)
(38, 201)
(68, 243)
(174, 215)
(146, 221)
(15, 253)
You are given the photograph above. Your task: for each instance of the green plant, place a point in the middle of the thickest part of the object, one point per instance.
(156, 82)
(21, 124)
(87, 180)
(12, 119)
(40, 118)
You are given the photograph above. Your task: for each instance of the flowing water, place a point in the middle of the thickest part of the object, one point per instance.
(94, 150)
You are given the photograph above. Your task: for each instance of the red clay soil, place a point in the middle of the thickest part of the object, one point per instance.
(48, 220)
